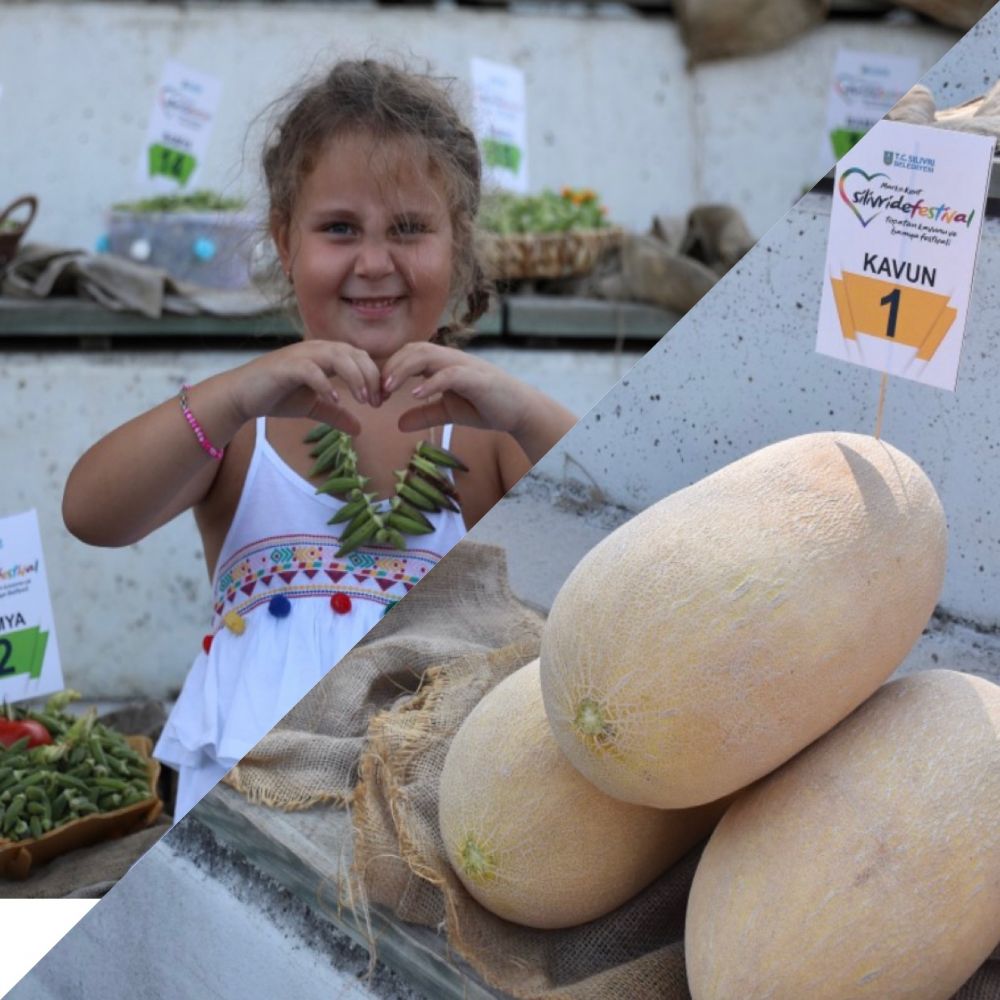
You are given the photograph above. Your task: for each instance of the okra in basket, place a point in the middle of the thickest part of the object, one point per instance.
(56, 768)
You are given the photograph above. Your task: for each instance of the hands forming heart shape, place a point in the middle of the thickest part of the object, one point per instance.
(456, 387)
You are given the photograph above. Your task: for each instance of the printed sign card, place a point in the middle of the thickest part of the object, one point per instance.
(905, 221)
(179, 127)
(500, 115)
(864, 87)
(29, 658)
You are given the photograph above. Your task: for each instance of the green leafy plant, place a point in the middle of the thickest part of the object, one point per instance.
(194, 201)
(504, 213)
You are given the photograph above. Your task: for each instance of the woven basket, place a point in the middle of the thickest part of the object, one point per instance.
(548, 255)
(18, 857)
(10, 238)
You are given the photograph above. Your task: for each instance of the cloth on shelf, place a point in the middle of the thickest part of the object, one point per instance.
(40, 271)
(677, 262)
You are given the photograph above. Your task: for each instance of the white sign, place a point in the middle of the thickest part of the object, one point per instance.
(29, 657)
(501, 123)
(179, 127)
(864, 87)
(907, 211)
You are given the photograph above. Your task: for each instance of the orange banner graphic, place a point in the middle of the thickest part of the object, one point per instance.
(900, 313)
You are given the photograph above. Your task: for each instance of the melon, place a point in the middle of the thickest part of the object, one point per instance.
(713, 636)
(867, 868)
(532, 840)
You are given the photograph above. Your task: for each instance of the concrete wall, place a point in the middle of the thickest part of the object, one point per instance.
(611, 103)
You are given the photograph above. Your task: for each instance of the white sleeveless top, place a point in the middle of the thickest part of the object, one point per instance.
(285, 609)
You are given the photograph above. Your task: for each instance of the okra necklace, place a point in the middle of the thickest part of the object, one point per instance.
(421, 489)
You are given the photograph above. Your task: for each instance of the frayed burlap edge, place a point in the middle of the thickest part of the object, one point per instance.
(400, 865)
(462, 607)
(397, 739)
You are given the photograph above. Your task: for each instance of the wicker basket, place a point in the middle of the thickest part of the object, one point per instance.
(18, 857)
(10, 238)
(548, 255)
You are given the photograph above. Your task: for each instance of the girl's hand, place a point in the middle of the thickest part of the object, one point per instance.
(459, 388)
(295, 382)
(469, 391)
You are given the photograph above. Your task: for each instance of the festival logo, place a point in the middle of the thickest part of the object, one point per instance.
(851, 200)
(907, 202)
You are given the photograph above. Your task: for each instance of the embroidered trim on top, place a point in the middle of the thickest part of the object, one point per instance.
(306, 566)
(324, 591)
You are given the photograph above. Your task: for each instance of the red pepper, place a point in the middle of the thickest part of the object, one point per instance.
(11, 732)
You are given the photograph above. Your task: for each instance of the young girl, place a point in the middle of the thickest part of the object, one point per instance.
(374, 184)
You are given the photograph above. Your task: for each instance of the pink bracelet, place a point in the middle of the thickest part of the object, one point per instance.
(192, 420)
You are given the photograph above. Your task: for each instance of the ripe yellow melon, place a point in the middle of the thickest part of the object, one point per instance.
(867, 868)
(720, 631)
(532, 840)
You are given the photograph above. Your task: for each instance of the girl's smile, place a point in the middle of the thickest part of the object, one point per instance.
(369, 246)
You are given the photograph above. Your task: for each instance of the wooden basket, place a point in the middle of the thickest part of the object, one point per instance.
(548, 255)
(18, 857)
(10, 238)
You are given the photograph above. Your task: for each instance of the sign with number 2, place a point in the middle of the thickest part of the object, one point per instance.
(29, 659)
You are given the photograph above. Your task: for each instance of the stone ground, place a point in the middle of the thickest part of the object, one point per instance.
(196, 920)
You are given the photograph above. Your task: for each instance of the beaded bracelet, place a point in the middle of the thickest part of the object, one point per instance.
(199, 433)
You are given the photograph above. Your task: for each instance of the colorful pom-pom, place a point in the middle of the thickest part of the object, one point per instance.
(340, 603)
(389, 607)
(206, 643)
(235, 622)
(204, 248)
(279, 606)
(140, 249)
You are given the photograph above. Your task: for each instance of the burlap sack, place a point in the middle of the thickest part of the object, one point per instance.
(374, 735)
(712, 29)
(636, 952)
(461, 609)
(717, 235)
(633, 953)
(652, 272)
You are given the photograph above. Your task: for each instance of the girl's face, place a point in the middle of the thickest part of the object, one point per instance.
(369, 247)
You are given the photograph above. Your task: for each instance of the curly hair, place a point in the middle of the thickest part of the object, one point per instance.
(387, 103)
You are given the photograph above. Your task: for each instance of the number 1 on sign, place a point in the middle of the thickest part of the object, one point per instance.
(892, 301)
